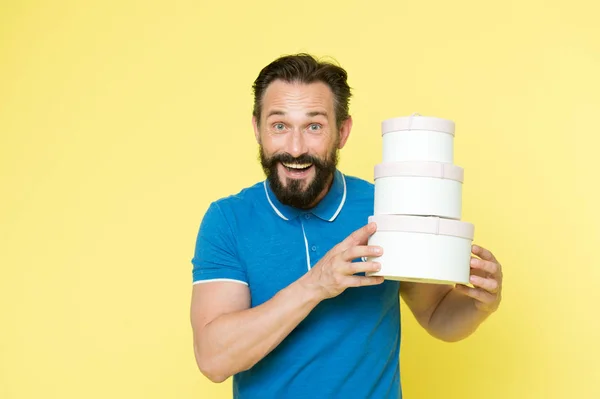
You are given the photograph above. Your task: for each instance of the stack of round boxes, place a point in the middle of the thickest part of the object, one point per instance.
(418, 204)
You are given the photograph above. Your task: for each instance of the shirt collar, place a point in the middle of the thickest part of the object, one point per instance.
(327, 209)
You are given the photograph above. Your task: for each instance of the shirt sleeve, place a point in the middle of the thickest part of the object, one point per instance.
(215, 256)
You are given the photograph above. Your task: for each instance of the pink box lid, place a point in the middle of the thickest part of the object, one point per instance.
(424, 224)
(417, 122)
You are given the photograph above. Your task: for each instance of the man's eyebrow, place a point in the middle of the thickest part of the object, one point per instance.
(275, 112)
(311, 113)
(315, 113)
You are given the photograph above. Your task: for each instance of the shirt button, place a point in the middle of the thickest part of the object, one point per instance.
(307, 216)
(313, 248)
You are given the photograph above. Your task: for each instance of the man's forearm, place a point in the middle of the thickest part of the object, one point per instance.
(455, 318)
(236, 341)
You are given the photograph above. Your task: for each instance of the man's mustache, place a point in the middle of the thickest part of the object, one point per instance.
(288, 158)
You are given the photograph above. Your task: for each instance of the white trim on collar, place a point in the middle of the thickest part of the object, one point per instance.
(343, 200)
(271, 202)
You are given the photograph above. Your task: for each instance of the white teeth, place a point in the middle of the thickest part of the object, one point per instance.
(296, 165)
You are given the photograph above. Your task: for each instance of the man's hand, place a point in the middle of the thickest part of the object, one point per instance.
(486, 277)
(335, 271)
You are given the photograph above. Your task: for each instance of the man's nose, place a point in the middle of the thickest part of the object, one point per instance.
(296, 143)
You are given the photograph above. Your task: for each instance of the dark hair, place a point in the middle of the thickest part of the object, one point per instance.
(305, 68)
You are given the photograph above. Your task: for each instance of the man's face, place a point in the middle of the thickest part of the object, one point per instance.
(299, 140)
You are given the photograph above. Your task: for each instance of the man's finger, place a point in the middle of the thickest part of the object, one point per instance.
(476, 293)
(360, 251)
(358, 237)
(484, 265)
(361, 281)
(363, 267)
(479, 272)
(489, 284)
(483, 253)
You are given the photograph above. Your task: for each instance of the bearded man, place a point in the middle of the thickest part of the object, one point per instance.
(280, 299)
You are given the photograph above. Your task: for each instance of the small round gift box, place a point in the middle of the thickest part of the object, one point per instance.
(418, 138)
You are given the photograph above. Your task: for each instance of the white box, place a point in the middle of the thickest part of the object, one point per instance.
(419, 188)
(423, 249)
(418, 138)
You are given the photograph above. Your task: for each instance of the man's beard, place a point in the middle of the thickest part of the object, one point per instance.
(292, 193)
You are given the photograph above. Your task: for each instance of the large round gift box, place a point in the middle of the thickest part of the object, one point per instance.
(422, 249)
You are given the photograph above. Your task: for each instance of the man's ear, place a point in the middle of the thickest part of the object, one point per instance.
(256, 130)
(344, 132)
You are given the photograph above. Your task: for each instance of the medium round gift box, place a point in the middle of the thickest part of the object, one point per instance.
(418, 138)
(422, 249)
(419, 188)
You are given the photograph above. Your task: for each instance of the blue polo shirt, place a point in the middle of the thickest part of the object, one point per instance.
(348, 346)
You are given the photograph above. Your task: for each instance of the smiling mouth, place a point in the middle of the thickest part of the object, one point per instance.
(296, 167)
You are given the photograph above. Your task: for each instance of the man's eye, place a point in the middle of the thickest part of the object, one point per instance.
(314, 127)
(279, 126)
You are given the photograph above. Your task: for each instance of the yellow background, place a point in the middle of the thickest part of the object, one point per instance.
(121, 120)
